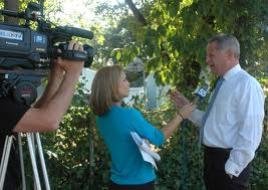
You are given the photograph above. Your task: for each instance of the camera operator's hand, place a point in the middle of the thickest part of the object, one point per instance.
(71, 65)
(56, 69)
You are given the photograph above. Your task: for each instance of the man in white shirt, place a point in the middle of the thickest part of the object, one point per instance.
(231, 127)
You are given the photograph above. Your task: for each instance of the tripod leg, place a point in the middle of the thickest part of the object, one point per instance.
(43, 164)
(21, 162)
(33, 160)
(3, 155)
(4, 160)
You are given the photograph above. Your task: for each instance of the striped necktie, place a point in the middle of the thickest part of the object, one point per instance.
(216, 90)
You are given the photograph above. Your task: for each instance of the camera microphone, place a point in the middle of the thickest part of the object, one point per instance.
(201, 93)
(73, 31)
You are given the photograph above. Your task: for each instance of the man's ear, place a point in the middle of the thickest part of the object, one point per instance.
(230, 54)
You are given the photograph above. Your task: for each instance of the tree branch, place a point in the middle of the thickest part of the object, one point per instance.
(136, 12)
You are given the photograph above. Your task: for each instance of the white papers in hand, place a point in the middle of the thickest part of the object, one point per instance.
(147, 154)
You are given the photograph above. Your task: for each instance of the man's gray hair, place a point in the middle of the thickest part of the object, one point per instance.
(225, 41)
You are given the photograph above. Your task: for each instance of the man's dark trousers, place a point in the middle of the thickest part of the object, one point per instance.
(215, 177)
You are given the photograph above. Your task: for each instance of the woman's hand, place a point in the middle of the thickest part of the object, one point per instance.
(186, 110)
(178, 99)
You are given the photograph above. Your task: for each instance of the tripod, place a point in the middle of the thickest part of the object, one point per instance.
(31, 139)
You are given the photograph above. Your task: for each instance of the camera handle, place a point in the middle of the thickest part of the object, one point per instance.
(74, 55)
(31, 137)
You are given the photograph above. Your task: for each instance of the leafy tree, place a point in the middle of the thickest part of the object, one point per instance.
(173, 39)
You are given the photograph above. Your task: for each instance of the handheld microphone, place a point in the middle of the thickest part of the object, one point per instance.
(201, 92)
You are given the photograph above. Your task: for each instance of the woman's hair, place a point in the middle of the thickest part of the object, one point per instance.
(225, 41)
(104, 89)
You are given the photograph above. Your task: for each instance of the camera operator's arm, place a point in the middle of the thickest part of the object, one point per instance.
(54, 80)
(49, 112)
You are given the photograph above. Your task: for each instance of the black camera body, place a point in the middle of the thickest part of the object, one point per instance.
(32, 51)
(23, 47)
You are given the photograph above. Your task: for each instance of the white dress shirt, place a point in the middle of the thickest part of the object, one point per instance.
(235, 119)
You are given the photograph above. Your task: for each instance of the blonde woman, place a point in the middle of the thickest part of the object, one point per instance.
(115, 122)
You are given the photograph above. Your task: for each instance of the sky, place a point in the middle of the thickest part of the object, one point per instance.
(76, 7)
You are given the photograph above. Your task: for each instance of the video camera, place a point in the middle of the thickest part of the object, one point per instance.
(32, 51)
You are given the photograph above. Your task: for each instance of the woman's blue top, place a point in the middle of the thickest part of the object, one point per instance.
(115, 126)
